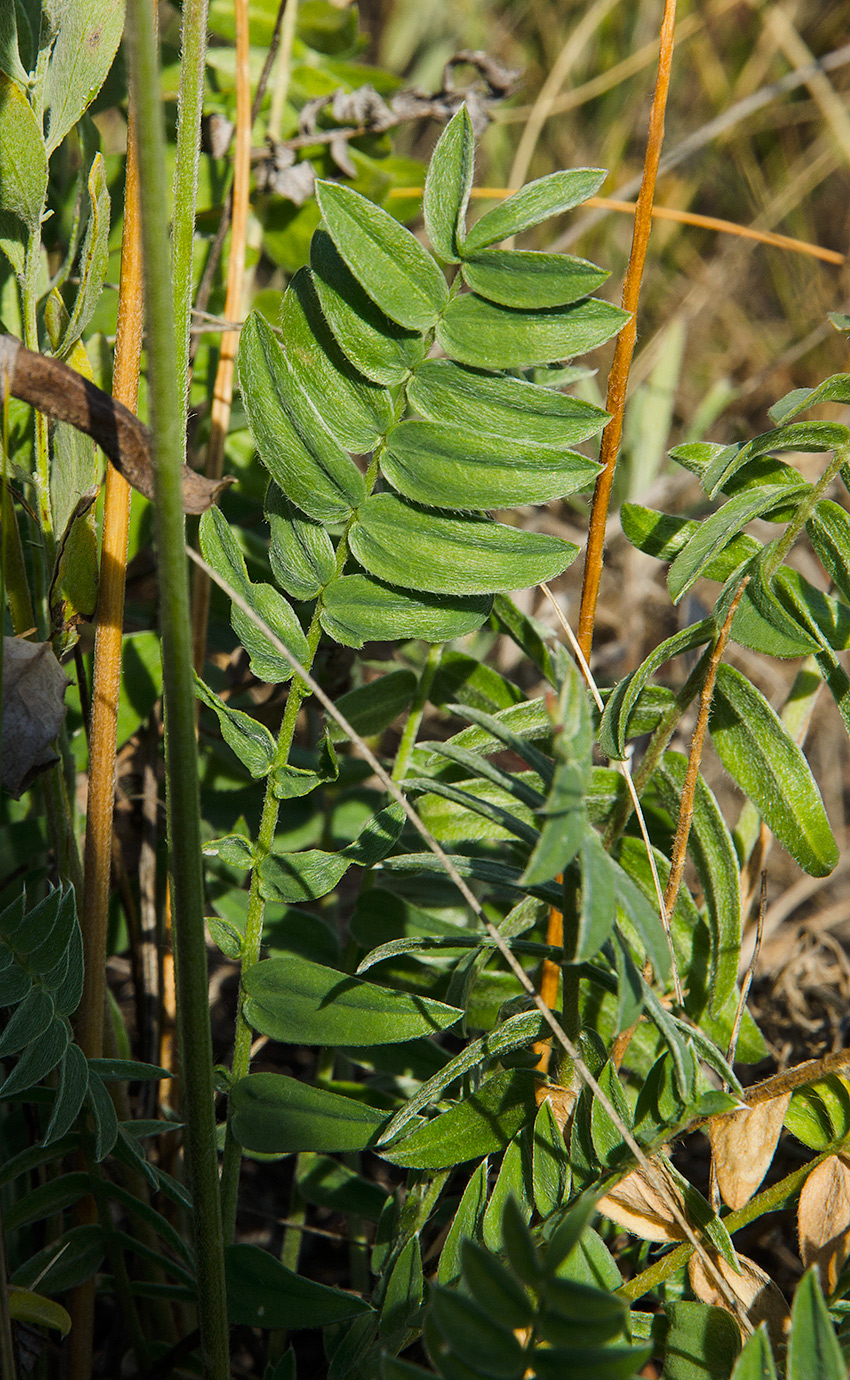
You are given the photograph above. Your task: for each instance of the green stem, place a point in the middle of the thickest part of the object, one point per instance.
(417, 709)
(190, 98)
(178, 685)
(280, 90)
(254, 925)
(772, 1200)
(45, 546)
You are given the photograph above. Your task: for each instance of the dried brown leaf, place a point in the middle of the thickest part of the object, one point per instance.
(823, 1219)
(743, 1145)
(760, 1299)
(561, 1100)
(637, 1205)
(34, 686)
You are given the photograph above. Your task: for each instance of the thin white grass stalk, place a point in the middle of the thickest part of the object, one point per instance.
(626, 771)
(519, 972)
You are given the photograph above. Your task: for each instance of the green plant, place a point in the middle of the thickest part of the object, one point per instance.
(481, 1178)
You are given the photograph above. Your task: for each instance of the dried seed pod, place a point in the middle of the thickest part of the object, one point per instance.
(638, 1204)
(743, 1145)
(759, 1297)
(823, 1219)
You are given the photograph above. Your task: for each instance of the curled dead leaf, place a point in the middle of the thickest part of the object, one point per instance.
(637, 1204)
(65, 396)
(823, 1219)
(759, 1297)
(743, 1145)
(34, 686)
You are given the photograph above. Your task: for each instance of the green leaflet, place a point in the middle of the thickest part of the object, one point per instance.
(804, 436)
(715, 532)
(371, 708)
(307, 876)
(219, 548)
(772, 770)
(756, 1360)
(249, 739)
(501, 406)
(814, 1352)
(356, 411)
(23, 172)
(614, 727)
(375, 345)
(663, 536)
(713, 853)
(10, 57)
(301, 552)
(447, 467)
(87, 36)
(93, 255)
(442, 555)
(834, 389)
(277, 1115)
(448, 185)
(829, 532)
(261, 1292)
(697, 1340)
(299, 1002)
(294, 444)
(386, 259)
(530, 280)
(464, 1226)
(548, 196)
(481, 1124)
(357, 609)
(403, 1297)
(598, 908)
(477, 332)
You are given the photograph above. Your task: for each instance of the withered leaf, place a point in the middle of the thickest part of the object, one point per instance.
(759, 1297)
(823, 1219)
(743, 1145)
(65, 396)
(34, 686)
(639, 1206)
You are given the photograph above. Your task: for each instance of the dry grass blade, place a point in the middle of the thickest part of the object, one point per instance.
(823, 1219)
(743, 1145)
(758, 1296)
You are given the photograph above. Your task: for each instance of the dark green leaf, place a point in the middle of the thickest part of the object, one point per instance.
(70, 1095)
(464, 1227)
(326, 1183)
(307, 876)
(67, 1261)
(510, 1186)
(300, 551)
(829, 533)
(481, 1124)
(477, 332)
(235, 850)
(447, 467)
(548, 196)
(356, 411)
(448, 185)
(441, 555)
(551, 1172)
(713, 853)
(663, 536)
(298, 450)
(386, 259)
(493, 1286)
(37, 1060)
(249, 739)
(358, 609)
(299, 1002)
(261, 1292)
(372, 708)
(596, 914)
(276, 1115)
(772, 770)
(527, 279)
(700, 1342)
(379, 348)
(475, 1337)
(834, 389)
(403, 1297)
(501, 406)
(802, 436)
(103, 1116)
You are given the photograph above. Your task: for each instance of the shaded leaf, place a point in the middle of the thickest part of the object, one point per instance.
(481, 1124)
(261, 1292)
(277, 1115)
